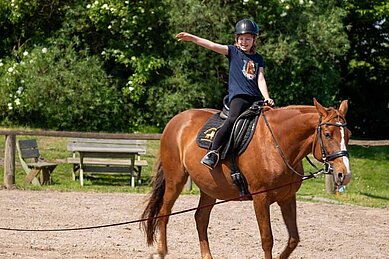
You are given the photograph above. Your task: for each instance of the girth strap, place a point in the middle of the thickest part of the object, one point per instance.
(238, 179)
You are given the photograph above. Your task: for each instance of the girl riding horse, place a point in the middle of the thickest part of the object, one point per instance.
(246, 81)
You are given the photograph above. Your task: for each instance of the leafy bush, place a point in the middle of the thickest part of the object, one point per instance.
(131, 38)
(58, 89)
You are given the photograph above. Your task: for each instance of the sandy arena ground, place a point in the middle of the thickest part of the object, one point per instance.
(326, 230)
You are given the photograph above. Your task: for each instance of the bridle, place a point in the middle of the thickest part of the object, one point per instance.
(326, 157)
(324, 154)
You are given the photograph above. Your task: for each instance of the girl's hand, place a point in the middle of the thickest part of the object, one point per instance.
(184, 36)
(269, 102)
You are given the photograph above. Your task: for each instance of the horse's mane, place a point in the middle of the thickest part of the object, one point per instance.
(304, 109)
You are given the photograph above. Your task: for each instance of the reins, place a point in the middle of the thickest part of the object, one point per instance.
(311, 174)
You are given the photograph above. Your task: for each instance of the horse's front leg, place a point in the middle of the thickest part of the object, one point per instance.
(288, 209)
(202, 221)
(262, 212)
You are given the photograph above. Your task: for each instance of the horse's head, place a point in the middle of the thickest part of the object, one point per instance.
(331, 142)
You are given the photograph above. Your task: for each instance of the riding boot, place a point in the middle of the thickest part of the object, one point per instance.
(210, 159)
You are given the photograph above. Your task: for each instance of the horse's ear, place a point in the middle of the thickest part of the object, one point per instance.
(343, 108)
(322, 111)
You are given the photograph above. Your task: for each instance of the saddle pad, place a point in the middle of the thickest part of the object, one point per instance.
(207, 132)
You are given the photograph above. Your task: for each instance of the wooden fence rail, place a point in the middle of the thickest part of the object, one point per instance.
(10, 144)
(76, 134)
(369, 143)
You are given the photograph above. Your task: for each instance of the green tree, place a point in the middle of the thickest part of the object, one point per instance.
(302, 42)
(132, 38)
(366, 68)
(124, 35)
(147, 76)
(197, 77)
(28, 22)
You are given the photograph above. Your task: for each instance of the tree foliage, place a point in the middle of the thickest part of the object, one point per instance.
(366, 67)
(197, 77)
(116, 64)
(57, 89)
(302, 42)
(28, 22)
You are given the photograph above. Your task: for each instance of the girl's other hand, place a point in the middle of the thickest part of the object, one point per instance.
(184, 36)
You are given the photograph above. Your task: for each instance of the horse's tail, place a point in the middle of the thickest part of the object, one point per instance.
(154, 204)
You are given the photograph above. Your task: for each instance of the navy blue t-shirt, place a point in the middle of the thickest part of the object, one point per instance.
(243, 73)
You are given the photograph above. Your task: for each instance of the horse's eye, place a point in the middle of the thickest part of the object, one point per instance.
(327, 135)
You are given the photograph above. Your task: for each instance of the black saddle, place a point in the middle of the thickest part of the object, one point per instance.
(241, 134)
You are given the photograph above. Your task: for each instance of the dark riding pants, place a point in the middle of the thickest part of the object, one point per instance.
(238, 105)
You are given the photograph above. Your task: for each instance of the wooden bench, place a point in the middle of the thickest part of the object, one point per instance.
(33, 163)
(107, 156)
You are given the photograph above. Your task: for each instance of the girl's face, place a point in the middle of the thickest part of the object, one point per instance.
(245, 42)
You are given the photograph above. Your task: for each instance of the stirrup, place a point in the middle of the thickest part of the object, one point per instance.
(210, 159)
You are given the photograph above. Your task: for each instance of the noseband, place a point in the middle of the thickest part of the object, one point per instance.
(324, 154)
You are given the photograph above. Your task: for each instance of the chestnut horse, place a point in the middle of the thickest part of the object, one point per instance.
(298, 130)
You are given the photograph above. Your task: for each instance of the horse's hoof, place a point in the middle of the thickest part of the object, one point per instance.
(156, 256)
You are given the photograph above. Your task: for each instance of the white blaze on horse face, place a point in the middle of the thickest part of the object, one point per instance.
(346, 161)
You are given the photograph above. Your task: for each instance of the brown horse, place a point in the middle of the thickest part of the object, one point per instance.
(299, 130)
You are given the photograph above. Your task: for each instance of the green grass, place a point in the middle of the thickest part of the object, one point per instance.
(369, 186)
(370, 182)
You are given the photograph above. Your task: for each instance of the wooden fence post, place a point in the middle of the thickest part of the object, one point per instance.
(188, 185)
(9, 161)
(330, 184)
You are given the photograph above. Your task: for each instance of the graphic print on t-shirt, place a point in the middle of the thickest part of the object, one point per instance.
(249, 69)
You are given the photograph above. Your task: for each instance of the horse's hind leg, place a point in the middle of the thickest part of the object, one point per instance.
(206, 204)
(174, 185)
(288, 209)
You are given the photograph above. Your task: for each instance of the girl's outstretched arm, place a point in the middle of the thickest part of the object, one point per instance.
(219, 48)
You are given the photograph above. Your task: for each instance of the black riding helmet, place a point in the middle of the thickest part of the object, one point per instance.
(246, 26)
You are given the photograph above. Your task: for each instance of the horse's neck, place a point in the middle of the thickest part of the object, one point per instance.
(297, 129)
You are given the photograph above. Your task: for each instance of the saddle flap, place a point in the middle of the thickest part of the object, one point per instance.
(241, 135)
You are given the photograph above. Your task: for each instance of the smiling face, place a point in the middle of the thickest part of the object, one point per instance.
(245, 42)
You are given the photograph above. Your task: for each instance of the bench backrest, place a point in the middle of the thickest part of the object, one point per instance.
(73, 143)
(28, 149)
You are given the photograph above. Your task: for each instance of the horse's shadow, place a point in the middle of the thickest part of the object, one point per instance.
(375, 196)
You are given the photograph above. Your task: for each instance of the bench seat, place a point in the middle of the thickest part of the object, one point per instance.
(98, 161)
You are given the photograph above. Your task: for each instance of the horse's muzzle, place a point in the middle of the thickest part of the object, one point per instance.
(341, 178)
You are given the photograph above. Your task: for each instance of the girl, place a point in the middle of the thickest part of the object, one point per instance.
(246, 81)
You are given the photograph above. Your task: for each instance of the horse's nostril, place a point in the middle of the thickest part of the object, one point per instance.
(340, 176)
